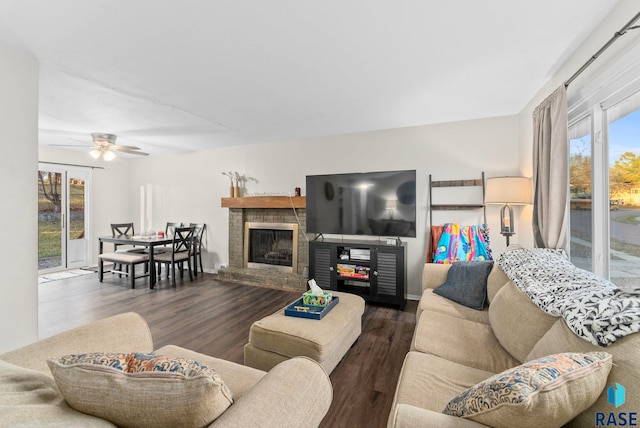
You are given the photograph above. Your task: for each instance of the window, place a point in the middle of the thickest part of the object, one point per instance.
(580, 149)
(604, 184)
(624, 182)
(63, 220)
(604, 172)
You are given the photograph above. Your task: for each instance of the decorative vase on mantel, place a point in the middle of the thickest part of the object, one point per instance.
(235, 191)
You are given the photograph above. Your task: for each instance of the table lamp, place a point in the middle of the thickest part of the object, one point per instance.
(507, 191)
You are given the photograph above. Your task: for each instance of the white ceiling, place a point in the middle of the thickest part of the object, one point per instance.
(172, 76)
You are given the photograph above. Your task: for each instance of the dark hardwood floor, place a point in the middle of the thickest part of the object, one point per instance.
(214, 317)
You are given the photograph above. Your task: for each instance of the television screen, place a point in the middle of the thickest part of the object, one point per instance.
(373, 203)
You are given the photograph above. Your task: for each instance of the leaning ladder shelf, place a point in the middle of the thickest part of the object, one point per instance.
(479, 182)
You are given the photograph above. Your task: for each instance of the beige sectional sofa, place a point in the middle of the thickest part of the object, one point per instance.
(295, 393)
(455, 347)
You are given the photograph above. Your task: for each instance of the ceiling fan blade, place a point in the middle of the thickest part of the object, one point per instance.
(80, 141)
(102, 143)
(133, 152)
(125, 148)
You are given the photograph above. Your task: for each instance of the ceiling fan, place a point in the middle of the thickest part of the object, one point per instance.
(105, 145)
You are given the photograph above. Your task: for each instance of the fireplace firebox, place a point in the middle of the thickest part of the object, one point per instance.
(271, 246)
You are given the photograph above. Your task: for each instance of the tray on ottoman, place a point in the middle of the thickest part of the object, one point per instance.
(300, 310)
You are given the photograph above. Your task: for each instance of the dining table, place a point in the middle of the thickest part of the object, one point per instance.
(148, 242)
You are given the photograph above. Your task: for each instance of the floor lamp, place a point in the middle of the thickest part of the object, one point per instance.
(507, 191)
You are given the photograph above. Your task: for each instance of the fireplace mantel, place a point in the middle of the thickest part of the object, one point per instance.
(264, 202)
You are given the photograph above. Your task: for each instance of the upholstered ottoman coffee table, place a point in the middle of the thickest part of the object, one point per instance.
(278, 337)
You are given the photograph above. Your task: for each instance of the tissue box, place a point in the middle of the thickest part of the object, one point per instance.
(312, 300)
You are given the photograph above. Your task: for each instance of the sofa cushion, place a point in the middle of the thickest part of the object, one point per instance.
(462, 341)
(430, 382)
(549, 392)
(517, 322)
(30, 398)
(496, 280)
(239, 378)
(626, 370)
(118, 333)
(466, 283)
(435, 274)
(138, 390)
(404, 415)
(433, 302)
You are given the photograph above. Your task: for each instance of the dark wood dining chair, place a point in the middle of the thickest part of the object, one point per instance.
(179, 254)
(169, 231)
(124, 229)
(170, 228)
(196, 247)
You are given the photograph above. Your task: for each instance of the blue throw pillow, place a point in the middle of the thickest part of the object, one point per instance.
(467, 284)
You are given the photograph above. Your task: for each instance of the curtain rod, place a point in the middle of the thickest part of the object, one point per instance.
(622, 32)
(72, 164)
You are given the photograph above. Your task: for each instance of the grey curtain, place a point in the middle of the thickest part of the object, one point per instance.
(550, 171)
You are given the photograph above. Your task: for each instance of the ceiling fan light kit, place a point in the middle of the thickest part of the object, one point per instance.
(108, 155)
(105, 145)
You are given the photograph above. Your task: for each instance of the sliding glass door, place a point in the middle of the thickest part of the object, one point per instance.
(63, 217)
(623, 120)
(580, 191)
(605, 191)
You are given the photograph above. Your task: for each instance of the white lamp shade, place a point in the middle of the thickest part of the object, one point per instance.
(508, 190)
(95, 153)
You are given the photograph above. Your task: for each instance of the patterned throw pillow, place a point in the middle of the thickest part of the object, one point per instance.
(547, 392)
(141, 390)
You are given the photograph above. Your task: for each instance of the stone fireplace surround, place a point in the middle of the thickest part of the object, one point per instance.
(265, 277)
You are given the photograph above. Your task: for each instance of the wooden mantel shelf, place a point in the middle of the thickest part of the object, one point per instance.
(264, 202)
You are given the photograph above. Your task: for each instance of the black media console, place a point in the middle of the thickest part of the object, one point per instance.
(372, 269)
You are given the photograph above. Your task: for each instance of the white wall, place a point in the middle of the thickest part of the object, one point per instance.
(620, 15)
(188, 187)
(18, 181)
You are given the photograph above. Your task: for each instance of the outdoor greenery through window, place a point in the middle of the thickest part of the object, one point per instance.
(613, 163)
(52, 210)
(49, 219)
(624, 188)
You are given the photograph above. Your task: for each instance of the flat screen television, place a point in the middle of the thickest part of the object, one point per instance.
(371, 203)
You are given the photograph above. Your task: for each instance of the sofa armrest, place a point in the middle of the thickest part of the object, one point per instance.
(295, 393)
(434, 275)
(405, 415)
(126, 332)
